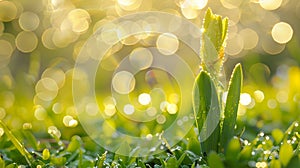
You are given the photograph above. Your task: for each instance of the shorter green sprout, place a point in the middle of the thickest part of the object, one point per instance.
(46, 154)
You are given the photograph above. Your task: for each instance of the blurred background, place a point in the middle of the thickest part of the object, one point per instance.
(41, 39)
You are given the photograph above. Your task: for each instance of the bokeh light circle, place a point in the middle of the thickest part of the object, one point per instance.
(167, 43)
(270, 4)
(282, 32)
(141, 58)
(6, 49)
(29, 21)
(123, 82)
(26, 41)
(8, 11)
(100, 126)
(250, 38)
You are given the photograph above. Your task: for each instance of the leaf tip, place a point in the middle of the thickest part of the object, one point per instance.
(238, 69)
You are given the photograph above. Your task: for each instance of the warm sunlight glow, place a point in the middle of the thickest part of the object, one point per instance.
(144, 99)
(245, 99)
(259, 96)
(270, 4)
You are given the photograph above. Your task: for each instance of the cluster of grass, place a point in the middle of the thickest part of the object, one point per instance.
(275, 150)
(223, 147)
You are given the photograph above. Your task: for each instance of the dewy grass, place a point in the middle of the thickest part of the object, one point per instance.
(17, 144)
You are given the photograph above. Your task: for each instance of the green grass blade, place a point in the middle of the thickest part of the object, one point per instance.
(180, 160)
(194, 146)
(207, 112)
(101, 160)
(30, 138)
(231, 107)
(30, 160)
(232, 152)
(285, 153)
(171, 162)
(214, 160)
(74, 144)
(2, 163)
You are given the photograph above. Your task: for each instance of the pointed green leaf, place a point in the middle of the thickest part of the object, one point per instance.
(2, 163)
(74, 144)
(246, 153)
(275, 164)
(233, 151)
(207, 112)
(231, 107)
(278, 135)
(202, 96)
(180, 160)
(214, 160)
(171, 162)
(208, 18)
(213, 28)
(12, 165)
(140, 164)
(285, 153)
(294, 162)
(30, 138)
(194, 146)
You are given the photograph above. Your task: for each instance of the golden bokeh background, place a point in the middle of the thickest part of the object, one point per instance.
(41, 39)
